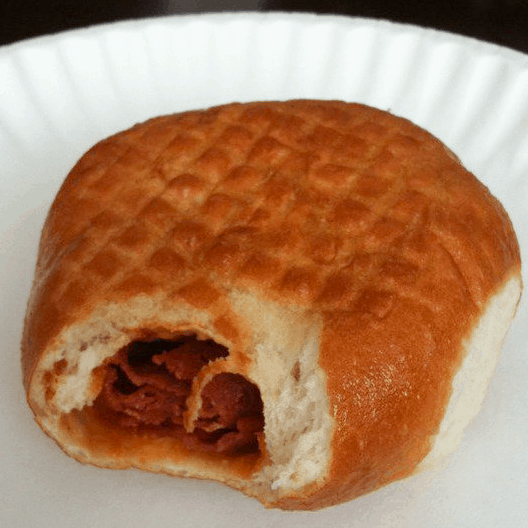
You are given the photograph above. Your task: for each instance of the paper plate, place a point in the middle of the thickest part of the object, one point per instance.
(61, 94)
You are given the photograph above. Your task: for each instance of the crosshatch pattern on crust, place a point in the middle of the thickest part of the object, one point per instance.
(328, 205)
(385, 249)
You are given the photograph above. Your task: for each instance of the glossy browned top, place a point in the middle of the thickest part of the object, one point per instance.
(340, 208)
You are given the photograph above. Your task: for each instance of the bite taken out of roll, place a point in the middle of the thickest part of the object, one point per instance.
(304, 300)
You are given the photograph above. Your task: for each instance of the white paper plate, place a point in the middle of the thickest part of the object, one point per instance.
(60, 94)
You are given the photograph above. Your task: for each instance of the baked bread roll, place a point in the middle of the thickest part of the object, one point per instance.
(304, 300)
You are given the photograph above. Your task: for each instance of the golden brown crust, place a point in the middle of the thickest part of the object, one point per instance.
(339, 208)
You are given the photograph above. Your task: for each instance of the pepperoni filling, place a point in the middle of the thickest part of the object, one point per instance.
(146, 387)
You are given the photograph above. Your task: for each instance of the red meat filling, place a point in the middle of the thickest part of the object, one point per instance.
(146, 387)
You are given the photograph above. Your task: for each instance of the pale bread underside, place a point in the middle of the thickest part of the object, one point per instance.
(481, 354)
